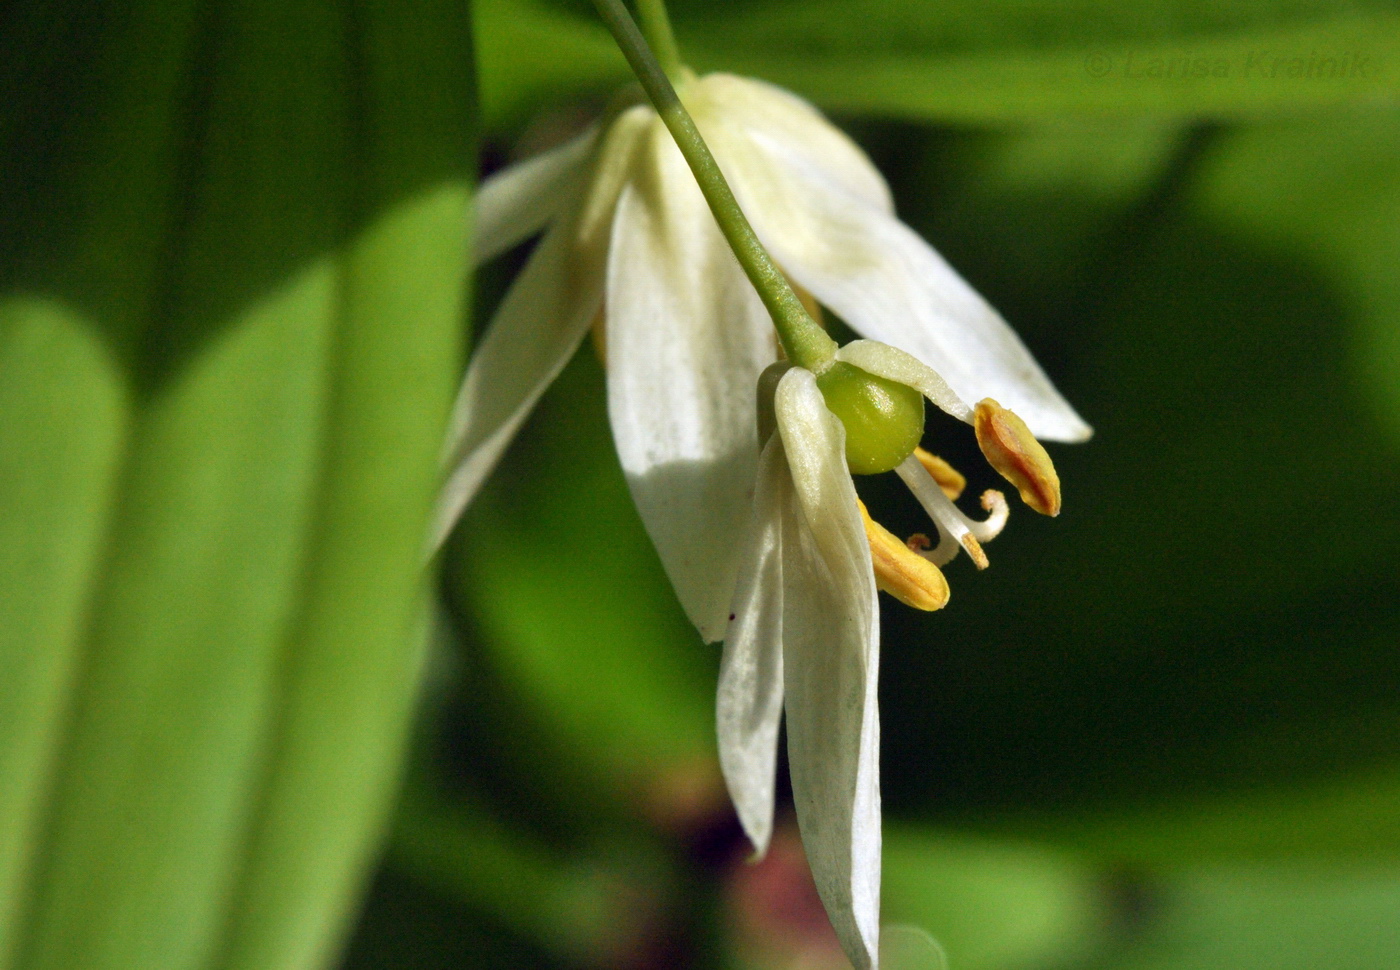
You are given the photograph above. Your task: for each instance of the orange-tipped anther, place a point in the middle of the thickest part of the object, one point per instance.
(973, 548)
(949, 479)
(1013, 451)
(902, 572)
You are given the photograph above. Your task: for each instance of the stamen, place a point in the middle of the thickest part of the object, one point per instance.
(948, 478)
(1013, 451)
(993, 503)
(946, 550)
(974, 551)
(902, 572)
(942, 554)
(956, 531)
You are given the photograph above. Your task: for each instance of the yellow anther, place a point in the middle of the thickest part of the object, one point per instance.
(1013, 451)
(974, 550)
(902, 572)
(949, 479)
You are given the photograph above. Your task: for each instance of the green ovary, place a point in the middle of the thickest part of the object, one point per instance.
(884, 419)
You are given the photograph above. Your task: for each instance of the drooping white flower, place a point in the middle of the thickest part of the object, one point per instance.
(804, 636)
(628, 234)
(772, 528)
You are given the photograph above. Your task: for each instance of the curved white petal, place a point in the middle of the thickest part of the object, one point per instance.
(729, 109)
(536, 330)
(831, 659)
(616, 162)
(750, 699)
(890, 285)
(686, 340)
(519, 201)
(891, 363)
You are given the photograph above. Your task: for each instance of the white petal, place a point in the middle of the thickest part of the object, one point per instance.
(887, 283)
(729, 109)
(536, 330)
(616, 163)
(815, 441)
(519, 201)
(686, 340)
(882, 360)
(750, 699)
(831, 659)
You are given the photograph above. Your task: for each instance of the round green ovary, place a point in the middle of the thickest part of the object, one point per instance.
(884, 420)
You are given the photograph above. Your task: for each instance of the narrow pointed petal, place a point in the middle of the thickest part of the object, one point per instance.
(890, 285)
(686, 340)
(536, 330)
(519, 201)
(750, 700)
(831, 657)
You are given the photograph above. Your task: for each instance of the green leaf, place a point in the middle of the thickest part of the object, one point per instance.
(529, 53)
(592, 905)
(1237, 74)
(233, 334)
(1325, 190)
(979, 63)
(1262, 918)
(991, 904)
(1345, 818)
(825, 27)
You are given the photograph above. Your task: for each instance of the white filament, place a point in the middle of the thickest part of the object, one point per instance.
(955, 530)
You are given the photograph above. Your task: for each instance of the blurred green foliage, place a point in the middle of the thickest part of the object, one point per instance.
(1160, 733)
(230, 314)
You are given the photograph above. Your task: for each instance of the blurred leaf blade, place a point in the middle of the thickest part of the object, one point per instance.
(210, 529)
(60, 378)
(290, 344)
(1326, 190)
(82, 259)
(527, 53)
(354, 654)
(1350, 59)
(989, 903)
(1030, 62)
(1280, 917)
(823, 27)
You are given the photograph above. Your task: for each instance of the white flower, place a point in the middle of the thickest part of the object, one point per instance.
(804, 635)
(628, 235)
(686, 336)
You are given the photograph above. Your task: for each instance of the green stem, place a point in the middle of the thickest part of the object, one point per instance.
(805, 343)
(656, 26)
